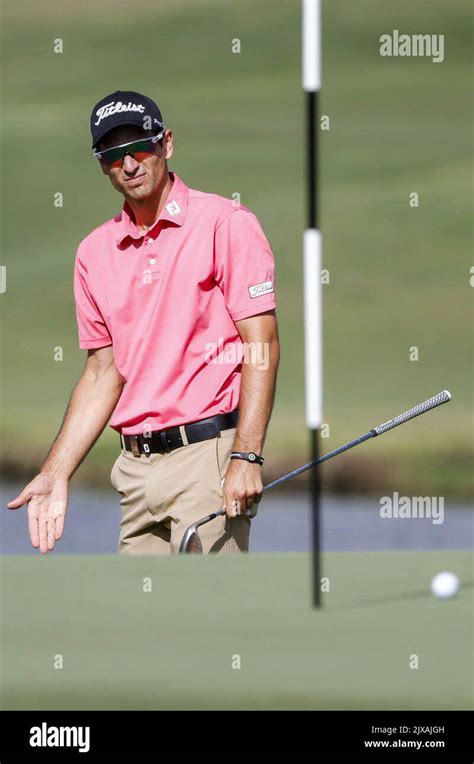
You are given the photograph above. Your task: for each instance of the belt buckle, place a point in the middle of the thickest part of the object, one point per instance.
(134, 445)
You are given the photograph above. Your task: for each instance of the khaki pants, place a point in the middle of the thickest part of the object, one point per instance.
(163, 494)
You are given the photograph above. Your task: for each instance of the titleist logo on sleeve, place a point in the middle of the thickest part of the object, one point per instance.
(259, 289)
(113, 108)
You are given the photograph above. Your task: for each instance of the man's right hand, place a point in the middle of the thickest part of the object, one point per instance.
(46, 497)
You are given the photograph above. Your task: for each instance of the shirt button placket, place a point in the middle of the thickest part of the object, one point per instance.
(151, 259)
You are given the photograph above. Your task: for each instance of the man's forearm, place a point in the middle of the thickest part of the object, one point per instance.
(90, 407)
(257, 393)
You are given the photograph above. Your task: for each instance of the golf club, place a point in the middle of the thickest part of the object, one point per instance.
(191, 543)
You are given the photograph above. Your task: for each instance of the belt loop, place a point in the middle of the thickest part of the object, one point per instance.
(184, 437)
(122, 441)
(164, 441)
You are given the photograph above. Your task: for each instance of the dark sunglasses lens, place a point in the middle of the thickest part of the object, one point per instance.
(143, 154)
(140, 150)
(113, 157)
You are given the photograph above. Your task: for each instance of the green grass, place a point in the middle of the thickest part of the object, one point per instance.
(173, 647)
(399, 276)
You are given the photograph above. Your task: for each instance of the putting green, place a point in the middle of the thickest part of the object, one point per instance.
(173, 647)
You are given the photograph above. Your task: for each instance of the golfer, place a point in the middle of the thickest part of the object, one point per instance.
(175, 306)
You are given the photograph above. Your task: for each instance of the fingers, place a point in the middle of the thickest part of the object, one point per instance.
(241, 505)
(20, 500)
(43, 533)
(56, 516)
(46, 522)
(59, 527)
(33, 526)
(51, 533)
(233, 508)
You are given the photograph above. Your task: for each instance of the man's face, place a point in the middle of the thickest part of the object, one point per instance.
(137, 180)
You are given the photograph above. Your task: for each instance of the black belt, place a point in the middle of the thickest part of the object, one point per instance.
(164, 441)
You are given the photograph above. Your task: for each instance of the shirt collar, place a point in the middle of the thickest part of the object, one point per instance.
(174, 211)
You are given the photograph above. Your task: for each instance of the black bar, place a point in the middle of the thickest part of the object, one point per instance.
(312, 158)
(440, 732)
(316, 520)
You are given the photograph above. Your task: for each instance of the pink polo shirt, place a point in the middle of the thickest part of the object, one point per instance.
(167, 301)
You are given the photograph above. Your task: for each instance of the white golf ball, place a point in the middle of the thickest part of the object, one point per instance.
(445, 585)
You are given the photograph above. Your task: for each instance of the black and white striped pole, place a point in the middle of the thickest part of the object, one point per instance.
(312, 253)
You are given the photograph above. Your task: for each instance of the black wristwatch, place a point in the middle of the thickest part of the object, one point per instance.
(249, 456)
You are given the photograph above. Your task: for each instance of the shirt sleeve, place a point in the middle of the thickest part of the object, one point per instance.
(92, 330)
(244, 265)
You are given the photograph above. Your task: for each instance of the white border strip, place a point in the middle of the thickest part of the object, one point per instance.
(313, 318)
(311, 33)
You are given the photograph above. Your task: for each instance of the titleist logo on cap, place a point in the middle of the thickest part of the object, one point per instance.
(113, 108)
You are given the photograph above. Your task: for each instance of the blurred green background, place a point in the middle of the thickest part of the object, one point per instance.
(399, 276)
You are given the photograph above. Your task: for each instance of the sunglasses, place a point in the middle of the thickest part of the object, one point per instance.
(140, 150)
